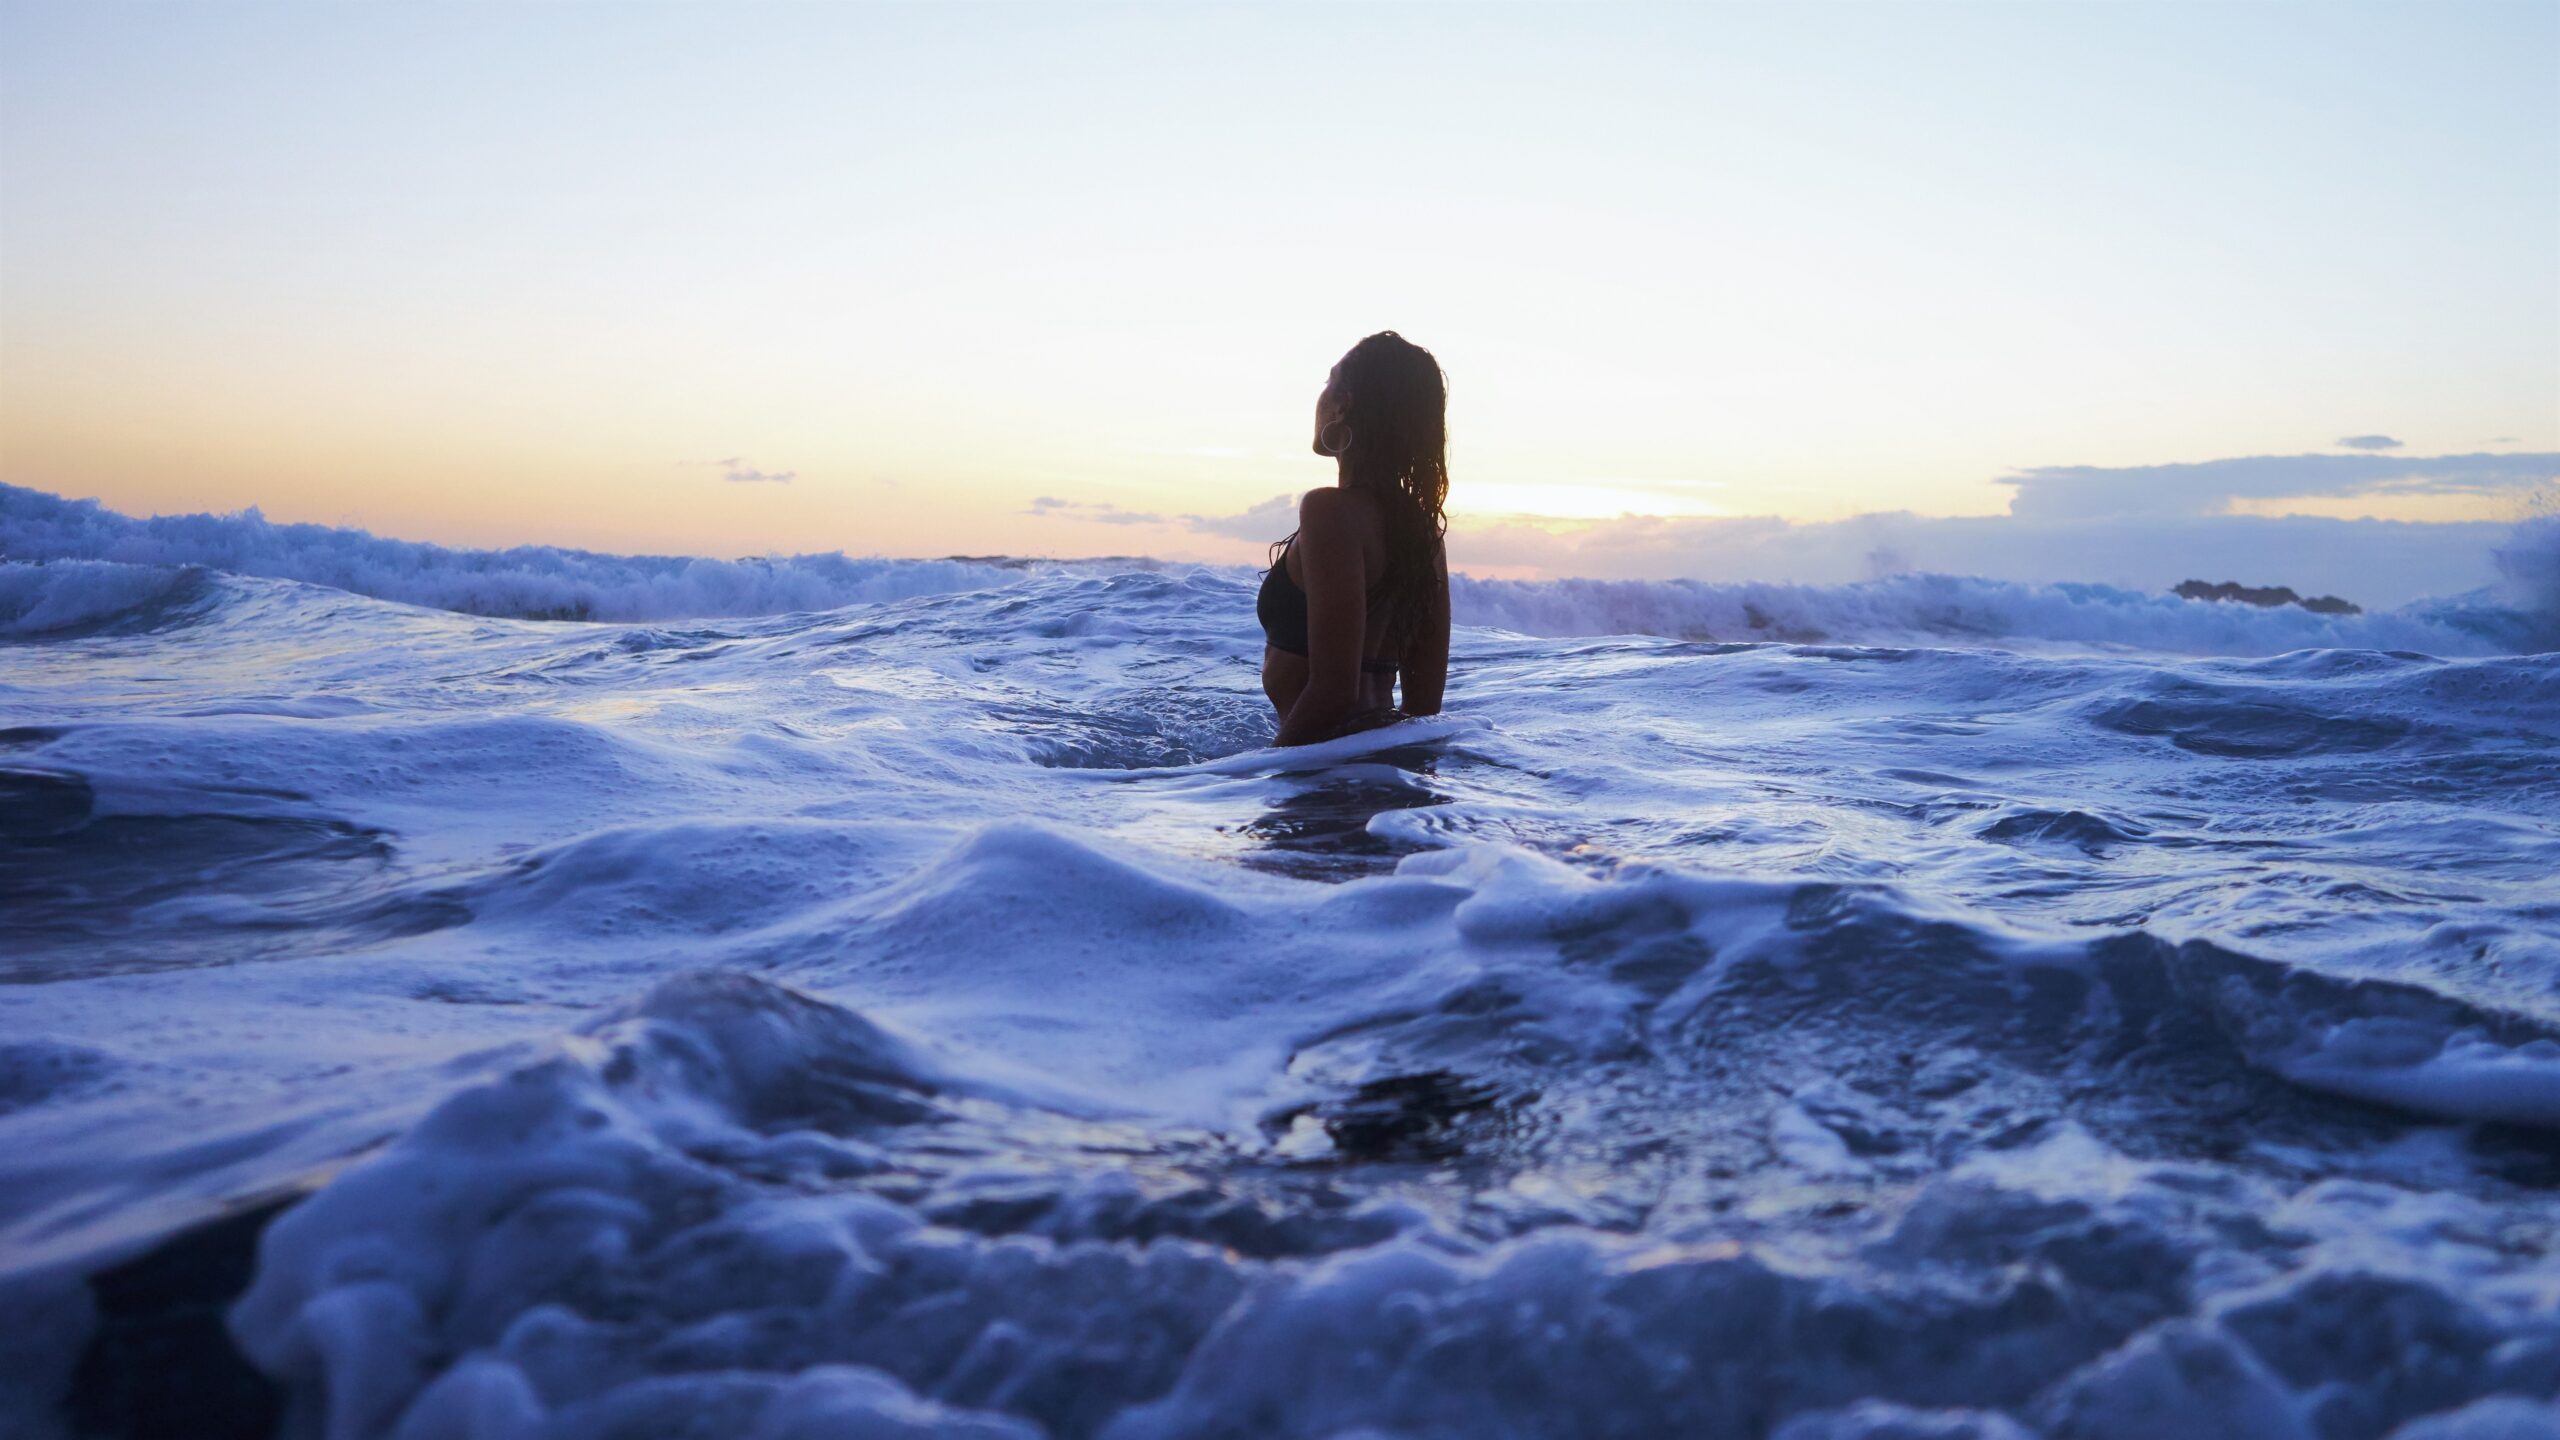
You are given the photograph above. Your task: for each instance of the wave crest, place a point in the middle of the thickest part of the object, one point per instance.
(89, 597)
(1941, 608)
(535, 582)
(121, 563)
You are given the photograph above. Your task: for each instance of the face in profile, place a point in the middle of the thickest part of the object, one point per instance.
(1329, 413)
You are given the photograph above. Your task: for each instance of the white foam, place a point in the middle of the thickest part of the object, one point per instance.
(1678, 1031)
(1936, 609)
(549, 582)
(535, 581)
(2500, 1417)
(2529, 565)
(2465, 1075)
(72, 594)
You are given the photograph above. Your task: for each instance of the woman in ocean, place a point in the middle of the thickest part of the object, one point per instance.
(1359, 595)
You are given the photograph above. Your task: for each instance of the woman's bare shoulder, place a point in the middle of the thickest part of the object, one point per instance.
(1339, 510)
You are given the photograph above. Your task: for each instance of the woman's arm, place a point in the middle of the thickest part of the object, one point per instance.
(1425, 662)
(1329, 570)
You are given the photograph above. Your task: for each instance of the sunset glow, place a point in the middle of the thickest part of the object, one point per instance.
(492, 274)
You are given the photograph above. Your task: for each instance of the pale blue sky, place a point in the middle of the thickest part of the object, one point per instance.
(513, 272)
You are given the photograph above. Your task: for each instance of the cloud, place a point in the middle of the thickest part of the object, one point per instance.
(2367, 442)
(1093, 511)
(738, 471)
(2208, 487)
(1269, 520)
(2376, 563)
(2108, 540)
(1196, 452)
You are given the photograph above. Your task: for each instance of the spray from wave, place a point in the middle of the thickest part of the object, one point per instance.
(947, 1017)
(1939, 609)
(2529, 565)
(73, 565)
(534, 582)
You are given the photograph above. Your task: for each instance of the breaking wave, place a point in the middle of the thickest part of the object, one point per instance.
(539, 582)
(97, 563)
(942, 1016)
(1969, 610)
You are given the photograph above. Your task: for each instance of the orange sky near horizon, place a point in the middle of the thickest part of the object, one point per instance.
(492, 276)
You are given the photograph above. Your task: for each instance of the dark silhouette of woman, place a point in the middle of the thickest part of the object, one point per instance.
(1360, 594)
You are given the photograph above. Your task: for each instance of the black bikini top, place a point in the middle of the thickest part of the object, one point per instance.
(1282, 609)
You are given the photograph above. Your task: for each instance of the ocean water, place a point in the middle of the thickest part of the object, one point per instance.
(827, 998)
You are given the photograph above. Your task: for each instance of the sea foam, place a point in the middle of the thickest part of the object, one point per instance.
(1944, 1013)
(548, 582)
(527, 581)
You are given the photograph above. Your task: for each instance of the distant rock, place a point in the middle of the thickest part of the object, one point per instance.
(2266, 596)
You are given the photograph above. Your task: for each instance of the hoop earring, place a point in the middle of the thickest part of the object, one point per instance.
(1323, 442)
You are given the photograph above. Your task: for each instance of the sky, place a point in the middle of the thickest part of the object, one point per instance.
(1065, 280)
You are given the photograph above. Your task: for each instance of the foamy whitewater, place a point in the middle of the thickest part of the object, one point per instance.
(821, 997)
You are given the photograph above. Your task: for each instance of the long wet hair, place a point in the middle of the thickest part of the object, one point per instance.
(1395, 401)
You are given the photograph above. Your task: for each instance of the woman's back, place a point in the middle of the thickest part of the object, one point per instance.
(1281, 605)
(1358, 595)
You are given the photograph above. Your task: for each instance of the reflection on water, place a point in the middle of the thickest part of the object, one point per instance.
(89, 894)
(931, 1003)
(1323, 833)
